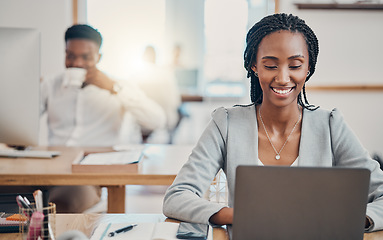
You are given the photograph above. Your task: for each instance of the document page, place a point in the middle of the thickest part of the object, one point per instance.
(165, 231)
(143, 231)
(109, 158)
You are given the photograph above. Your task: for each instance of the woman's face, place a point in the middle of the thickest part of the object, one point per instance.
(282, 64)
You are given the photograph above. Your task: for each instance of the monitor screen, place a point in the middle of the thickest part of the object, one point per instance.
(19, 86)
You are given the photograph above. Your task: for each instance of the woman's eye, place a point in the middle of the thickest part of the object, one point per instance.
(270, 67)
(295, 67)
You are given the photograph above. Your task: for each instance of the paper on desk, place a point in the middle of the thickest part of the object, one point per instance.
(110, 158)
(143, 231)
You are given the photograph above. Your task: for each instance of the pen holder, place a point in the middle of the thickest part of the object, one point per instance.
(37, 224)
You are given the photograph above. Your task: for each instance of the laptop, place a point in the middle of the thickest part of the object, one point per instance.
(300, 203)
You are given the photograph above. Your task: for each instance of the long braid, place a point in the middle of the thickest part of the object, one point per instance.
(266, 26)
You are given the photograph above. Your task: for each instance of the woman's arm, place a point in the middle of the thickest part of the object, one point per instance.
(184, 198)
(349, 152)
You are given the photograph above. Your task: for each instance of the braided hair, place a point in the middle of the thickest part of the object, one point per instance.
(83, 31)
(266, 26)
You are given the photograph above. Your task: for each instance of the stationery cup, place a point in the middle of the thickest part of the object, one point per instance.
(74, 76)
(38, 224)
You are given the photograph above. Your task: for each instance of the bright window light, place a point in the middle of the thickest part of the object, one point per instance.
(225, 31)
(127, 26)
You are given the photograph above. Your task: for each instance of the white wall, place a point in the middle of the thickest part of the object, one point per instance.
(51, 18)
(185, 25)
(350, 44)
(351, 47)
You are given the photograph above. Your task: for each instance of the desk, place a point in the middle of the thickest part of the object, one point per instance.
(159, 166)
(87, 222)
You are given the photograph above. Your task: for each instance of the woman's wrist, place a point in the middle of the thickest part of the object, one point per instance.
(222, 217)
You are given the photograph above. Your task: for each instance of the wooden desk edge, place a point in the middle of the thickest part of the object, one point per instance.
(77, 179)
(86, 223)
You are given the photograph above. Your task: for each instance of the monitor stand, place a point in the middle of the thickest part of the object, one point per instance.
(18, 147)
(14, 151)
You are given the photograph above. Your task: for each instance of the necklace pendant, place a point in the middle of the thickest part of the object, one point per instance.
(277, 157)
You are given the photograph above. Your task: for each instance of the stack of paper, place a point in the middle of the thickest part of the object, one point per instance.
(143, 231)
(113, 162)
(11, 223)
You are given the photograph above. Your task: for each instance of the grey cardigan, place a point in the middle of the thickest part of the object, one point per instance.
(231, 139)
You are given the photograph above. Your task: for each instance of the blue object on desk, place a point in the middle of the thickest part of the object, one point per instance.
(122, 230)
(106, 230)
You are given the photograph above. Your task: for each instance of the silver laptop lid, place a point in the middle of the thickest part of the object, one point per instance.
(300, 203)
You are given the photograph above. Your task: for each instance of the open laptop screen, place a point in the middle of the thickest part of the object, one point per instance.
(300, 203)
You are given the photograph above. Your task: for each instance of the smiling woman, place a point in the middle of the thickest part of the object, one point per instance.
(282, 66)
(307, 44)
(279, 127)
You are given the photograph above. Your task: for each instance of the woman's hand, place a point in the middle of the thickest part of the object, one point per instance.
(222, 217)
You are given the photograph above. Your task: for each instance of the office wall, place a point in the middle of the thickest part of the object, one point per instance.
(351, 45)
(51, 18)
(185, 27)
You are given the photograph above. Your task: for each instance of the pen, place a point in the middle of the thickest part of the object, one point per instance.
(38, 195)
(27, 201)
(22, 204)
(121, 230)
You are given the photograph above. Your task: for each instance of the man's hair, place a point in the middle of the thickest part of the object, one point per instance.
(266, 26)
(82, 31)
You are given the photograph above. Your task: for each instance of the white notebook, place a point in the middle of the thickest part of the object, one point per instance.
(110, 158)
(143, 231)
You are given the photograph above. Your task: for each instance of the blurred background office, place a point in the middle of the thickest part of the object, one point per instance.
(203, 42)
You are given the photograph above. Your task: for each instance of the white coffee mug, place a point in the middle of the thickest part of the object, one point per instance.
(74, 77)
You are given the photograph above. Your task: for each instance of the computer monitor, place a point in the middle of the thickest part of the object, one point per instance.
(19, 86)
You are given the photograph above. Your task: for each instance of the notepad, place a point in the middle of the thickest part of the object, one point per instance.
(110, 158)
(112, 162)
(143, 231)
(9, 226)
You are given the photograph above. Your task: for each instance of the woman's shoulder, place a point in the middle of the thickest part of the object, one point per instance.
(321, 111)
(324, 115)
(234, 110)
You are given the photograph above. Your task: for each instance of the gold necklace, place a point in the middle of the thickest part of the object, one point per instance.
(278, 156)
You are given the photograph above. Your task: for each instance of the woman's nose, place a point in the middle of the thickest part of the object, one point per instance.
(283, 77)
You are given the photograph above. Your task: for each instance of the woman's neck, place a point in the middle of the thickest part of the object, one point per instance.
(279, 120)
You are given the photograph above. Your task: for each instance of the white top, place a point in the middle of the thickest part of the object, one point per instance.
(92, 116)
(294, 164)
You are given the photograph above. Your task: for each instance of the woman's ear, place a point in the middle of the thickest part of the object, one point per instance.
(254, 68)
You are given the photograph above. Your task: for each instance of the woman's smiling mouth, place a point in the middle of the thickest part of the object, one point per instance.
(282, 90)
